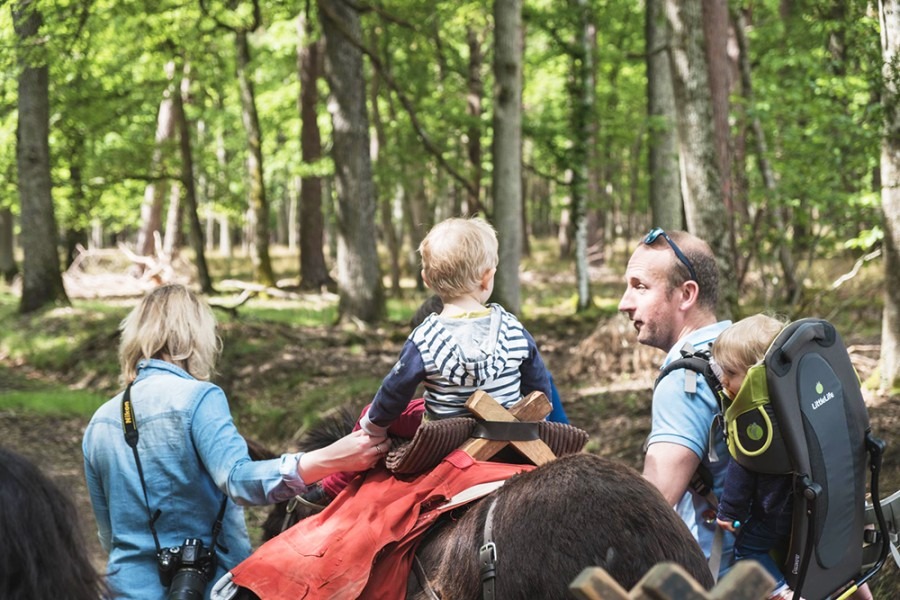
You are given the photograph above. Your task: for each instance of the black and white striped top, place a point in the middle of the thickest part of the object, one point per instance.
(454, 357)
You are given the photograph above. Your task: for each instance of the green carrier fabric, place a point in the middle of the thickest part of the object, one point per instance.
(822, 422)
(752, 432)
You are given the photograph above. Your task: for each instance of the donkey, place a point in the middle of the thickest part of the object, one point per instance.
(547, 525)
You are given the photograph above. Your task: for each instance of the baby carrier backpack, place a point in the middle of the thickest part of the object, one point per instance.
(801, 412)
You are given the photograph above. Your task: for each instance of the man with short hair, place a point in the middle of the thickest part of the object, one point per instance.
(671, 293)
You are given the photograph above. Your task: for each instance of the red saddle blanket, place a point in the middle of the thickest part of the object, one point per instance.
(362, 544)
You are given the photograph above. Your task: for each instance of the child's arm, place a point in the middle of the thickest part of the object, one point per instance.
(397, 390)
(734, 505)
(535, 376)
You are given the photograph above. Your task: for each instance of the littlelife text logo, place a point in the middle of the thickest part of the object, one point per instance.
(822, 399)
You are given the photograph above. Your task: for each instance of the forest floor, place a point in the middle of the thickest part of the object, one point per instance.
(279, 377)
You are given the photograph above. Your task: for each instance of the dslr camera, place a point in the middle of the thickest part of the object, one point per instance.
(186, 569)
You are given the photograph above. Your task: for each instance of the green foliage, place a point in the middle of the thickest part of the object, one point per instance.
(816, 76)
(53, 401)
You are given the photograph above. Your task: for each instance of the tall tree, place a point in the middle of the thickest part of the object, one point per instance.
(766, 170)
(889, 11)
(359, 278)
(701, 183)
(391, 237)
(42, 280)
(716, 34)
(583, 85)
(313, 269)
(195, 234)
(507, 149)
(474, 97)
(665, 180)
(258, 201)
(152, 206)
(8, 267)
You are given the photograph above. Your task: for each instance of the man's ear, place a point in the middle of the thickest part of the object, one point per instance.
(425, 279)
(690, 293)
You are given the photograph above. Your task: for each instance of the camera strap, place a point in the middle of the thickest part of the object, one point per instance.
(129, 425)
(131, 438)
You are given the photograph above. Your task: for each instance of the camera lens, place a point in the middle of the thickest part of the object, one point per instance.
(187, 584)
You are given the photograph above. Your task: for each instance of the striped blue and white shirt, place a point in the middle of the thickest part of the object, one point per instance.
(453, 358)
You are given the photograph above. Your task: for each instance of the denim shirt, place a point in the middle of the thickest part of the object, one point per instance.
(191, 453)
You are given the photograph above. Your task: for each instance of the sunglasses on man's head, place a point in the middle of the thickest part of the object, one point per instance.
(655, 233)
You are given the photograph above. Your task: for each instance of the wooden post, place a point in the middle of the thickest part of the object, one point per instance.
(747, 580)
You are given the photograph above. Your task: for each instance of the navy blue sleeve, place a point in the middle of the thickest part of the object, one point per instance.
(740, 483)
(399, 386)
(558, 414)
(535, 376)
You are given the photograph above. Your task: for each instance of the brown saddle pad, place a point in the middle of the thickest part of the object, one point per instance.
(434, 440)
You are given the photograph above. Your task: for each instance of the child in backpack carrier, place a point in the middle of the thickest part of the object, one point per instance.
(757, 507)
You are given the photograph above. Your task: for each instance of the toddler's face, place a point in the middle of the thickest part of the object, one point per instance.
(732, 379)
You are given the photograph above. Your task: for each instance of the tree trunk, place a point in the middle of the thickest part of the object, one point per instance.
(226, 247)
(599, 202)
(716, 28)
(313, 269)
(259, 204)
(173, 240)
(475, 87)
(359, 278)
(701, 185)
(890, 195)
(386, 198)
(195, 234)
(42, 281)
(154, 192)
(8, 267)
(417, 221)
(665, 183)
(76, 233)
(507, 144)
(715, 31)
(582, 117)
(788, 268)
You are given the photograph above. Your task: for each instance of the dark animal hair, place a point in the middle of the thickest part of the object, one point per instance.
(43, 553)
(432, 304)
(577, 511)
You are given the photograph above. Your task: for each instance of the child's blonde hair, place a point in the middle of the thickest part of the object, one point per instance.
(172, 321)
(456, 253)
(745, 343)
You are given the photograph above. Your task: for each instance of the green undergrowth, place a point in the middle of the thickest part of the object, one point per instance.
(52, 401)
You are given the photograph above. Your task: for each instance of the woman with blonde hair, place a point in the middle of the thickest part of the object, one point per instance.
(166, 467)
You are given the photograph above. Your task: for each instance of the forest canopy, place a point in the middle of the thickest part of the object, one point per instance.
(229, 126)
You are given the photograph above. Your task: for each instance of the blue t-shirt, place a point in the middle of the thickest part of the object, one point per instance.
(686, 419)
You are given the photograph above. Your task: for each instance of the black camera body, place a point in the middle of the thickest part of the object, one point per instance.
(186, 569)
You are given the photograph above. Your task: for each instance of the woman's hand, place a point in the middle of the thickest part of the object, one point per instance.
(357, 451)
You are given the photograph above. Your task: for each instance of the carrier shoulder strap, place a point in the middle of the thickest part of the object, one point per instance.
(695, 362)
(692, 362)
